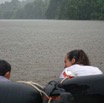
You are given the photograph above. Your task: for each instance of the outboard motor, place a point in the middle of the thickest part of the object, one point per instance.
(11, 92)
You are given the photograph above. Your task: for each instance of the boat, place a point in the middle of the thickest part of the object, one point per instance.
(84, 89)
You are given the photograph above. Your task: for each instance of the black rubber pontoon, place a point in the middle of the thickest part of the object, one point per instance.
(86, 89)
(18, 93)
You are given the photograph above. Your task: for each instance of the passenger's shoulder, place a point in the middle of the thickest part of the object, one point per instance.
(73, 67)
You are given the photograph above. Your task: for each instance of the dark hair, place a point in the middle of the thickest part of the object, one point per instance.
(4, 67)
(80, 57)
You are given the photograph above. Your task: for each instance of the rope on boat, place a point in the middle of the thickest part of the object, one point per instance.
(64, 80)
(39, 88)
(36, 86)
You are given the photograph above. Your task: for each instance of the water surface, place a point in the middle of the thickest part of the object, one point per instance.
(36, 48)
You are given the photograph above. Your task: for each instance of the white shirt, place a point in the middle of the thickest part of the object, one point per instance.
(80, 70)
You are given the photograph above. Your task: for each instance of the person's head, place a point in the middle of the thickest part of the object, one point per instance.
(5, 69)
(76, 57)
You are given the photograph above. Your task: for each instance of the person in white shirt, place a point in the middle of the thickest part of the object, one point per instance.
(78, 64)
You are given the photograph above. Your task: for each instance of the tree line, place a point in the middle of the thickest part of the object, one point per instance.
(53, 9)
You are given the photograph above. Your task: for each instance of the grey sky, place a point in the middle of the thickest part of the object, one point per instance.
(2, 1)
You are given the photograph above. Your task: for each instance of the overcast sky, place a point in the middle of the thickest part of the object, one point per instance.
(2, 1)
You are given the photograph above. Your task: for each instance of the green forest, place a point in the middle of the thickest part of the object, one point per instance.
(53, 9)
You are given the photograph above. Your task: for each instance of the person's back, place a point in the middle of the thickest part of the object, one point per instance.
(80, 70)
(5, 70)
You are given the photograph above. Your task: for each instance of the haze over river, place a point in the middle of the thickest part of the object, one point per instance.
(36, 48)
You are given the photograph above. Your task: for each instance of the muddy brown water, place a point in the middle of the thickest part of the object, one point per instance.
(36, 48)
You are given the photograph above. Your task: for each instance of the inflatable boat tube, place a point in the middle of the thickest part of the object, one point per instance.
(86, 89)
(18, 93)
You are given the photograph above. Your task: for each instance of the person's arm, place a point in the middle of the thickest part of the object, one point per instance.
(66, 73)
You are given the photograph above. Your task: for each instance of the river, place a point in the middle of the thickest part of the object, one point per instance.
(36, 48)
